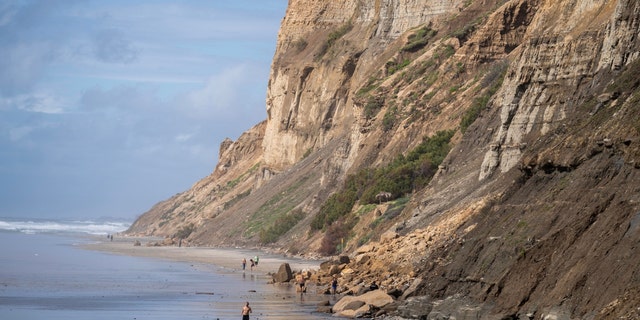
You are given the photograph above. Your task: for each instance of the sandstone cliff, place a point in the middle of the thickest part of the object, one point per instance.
(534, 213)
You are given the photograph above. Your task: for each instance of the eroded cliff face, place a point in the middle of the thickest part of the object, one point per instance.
(535, 211)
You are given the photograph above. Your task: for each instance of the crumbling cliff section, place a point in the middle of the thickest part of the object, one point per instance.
(534, 212)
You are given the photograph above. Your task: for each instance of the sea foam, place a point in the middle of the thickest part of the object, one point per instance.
(31, 226)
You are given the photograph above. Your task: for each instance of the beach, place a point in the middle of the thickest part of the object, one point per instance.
(46, 276)
(225, 258)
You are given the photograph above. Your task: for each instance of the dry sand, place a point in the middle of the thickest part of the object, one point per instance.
(229, 258)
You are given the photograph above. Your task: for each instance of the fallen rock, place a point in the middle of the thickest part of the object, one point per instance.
(284, 274)
(376, 299)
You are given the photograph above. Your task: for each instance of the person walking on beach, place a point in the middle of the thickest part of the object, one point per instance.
(252, 264)
(301, 283)
(245, 311)
(244, 263)
(334, 284)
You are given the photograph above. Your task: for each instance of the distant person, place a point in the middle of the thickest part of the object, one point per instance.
(245, 311)
(244, 263)
(301, 283)
(334, 284)
(257, 259)
(253, 264)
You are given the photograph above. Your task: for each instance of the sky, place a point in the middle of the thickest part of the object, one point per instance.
(108, 107)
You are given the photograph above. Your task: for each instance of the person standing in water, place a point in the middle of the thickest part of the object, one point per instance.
(246, 310)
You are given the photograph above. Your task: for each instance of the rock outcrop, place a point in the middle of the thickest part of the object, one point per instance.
(534, 212)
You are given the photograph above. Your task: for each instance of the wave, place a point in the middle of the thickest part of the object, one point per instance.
(64, 226)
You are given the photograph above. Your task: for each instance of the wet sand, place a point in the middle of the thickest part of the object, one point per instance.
(226, 297)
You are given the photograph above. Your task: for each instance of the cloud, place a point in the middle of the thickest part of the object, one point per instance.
(183, 137)
(39, 102)
(219, 94)
(129, 98)
(7, 12)
(22, 66)
(16, 134)
(122, 98)
(112, 46)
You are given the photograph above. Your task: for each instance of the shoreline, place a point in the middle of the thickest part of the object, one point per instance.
(227, 258)
(75, 277)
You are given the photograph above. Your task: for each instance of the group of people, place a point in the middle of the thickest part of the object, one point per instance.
(253, 261)
(246, 310)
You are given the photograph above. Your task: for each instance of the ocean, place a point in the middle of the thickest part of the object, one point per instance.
(45, 273)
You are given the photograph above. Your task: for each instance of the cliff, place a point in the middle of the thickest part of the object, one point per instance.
(533, 213)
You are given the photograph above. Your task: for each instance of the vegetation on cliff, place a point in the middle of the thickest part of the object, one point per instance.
(483, 155)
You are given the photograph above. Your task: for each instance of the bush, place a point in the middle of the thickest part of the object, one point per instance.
(338, 205)
(419, 39)
(373, 106)
(400, 177)
(281, 226)
(333, 37)
(185, 231)
(389, 119)
(333, 238)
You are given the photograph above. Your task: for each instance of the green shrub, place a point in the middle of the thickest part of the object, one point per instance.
(185, 231)
(419, 39)
(400, 177)
(373, 106)
(393, 67)
(235, 199)
(389, 119)
(280, 226)
(338, 205)
(333, 37)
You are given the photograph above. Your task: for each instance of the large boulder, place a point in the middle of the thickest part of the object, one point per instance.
(376, 299)
(284, 273)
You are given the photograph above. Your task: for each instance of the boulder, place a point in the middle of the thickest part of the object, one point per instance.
(376, 299)
(388, 236)
(416, 308)
(284, 273)
(334, 269)
(413, 288)
(325, 266)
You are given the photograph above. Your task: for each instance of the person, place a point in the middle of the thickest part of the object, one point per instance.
(301, 283)
(252, 264)
(244, 263)
(257, 258)
(245, 311)
(373, 286)
(334, 284)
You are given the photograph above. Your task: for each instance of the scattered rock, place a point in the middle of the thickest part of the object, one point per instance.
(284, 274)
(350, 306)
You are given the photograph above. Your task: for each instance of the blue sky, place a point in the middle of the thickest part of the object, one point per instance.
(108, 107)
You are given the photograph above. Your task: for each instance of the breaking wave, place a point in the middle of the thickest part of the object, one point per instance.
(63, 226)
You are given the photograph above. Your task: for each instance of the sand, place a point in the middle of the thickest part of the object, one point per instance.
(276, 302)
(229, 258)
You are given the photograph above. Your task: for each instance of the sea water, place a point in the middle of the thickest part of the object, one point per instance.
(46, 274)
